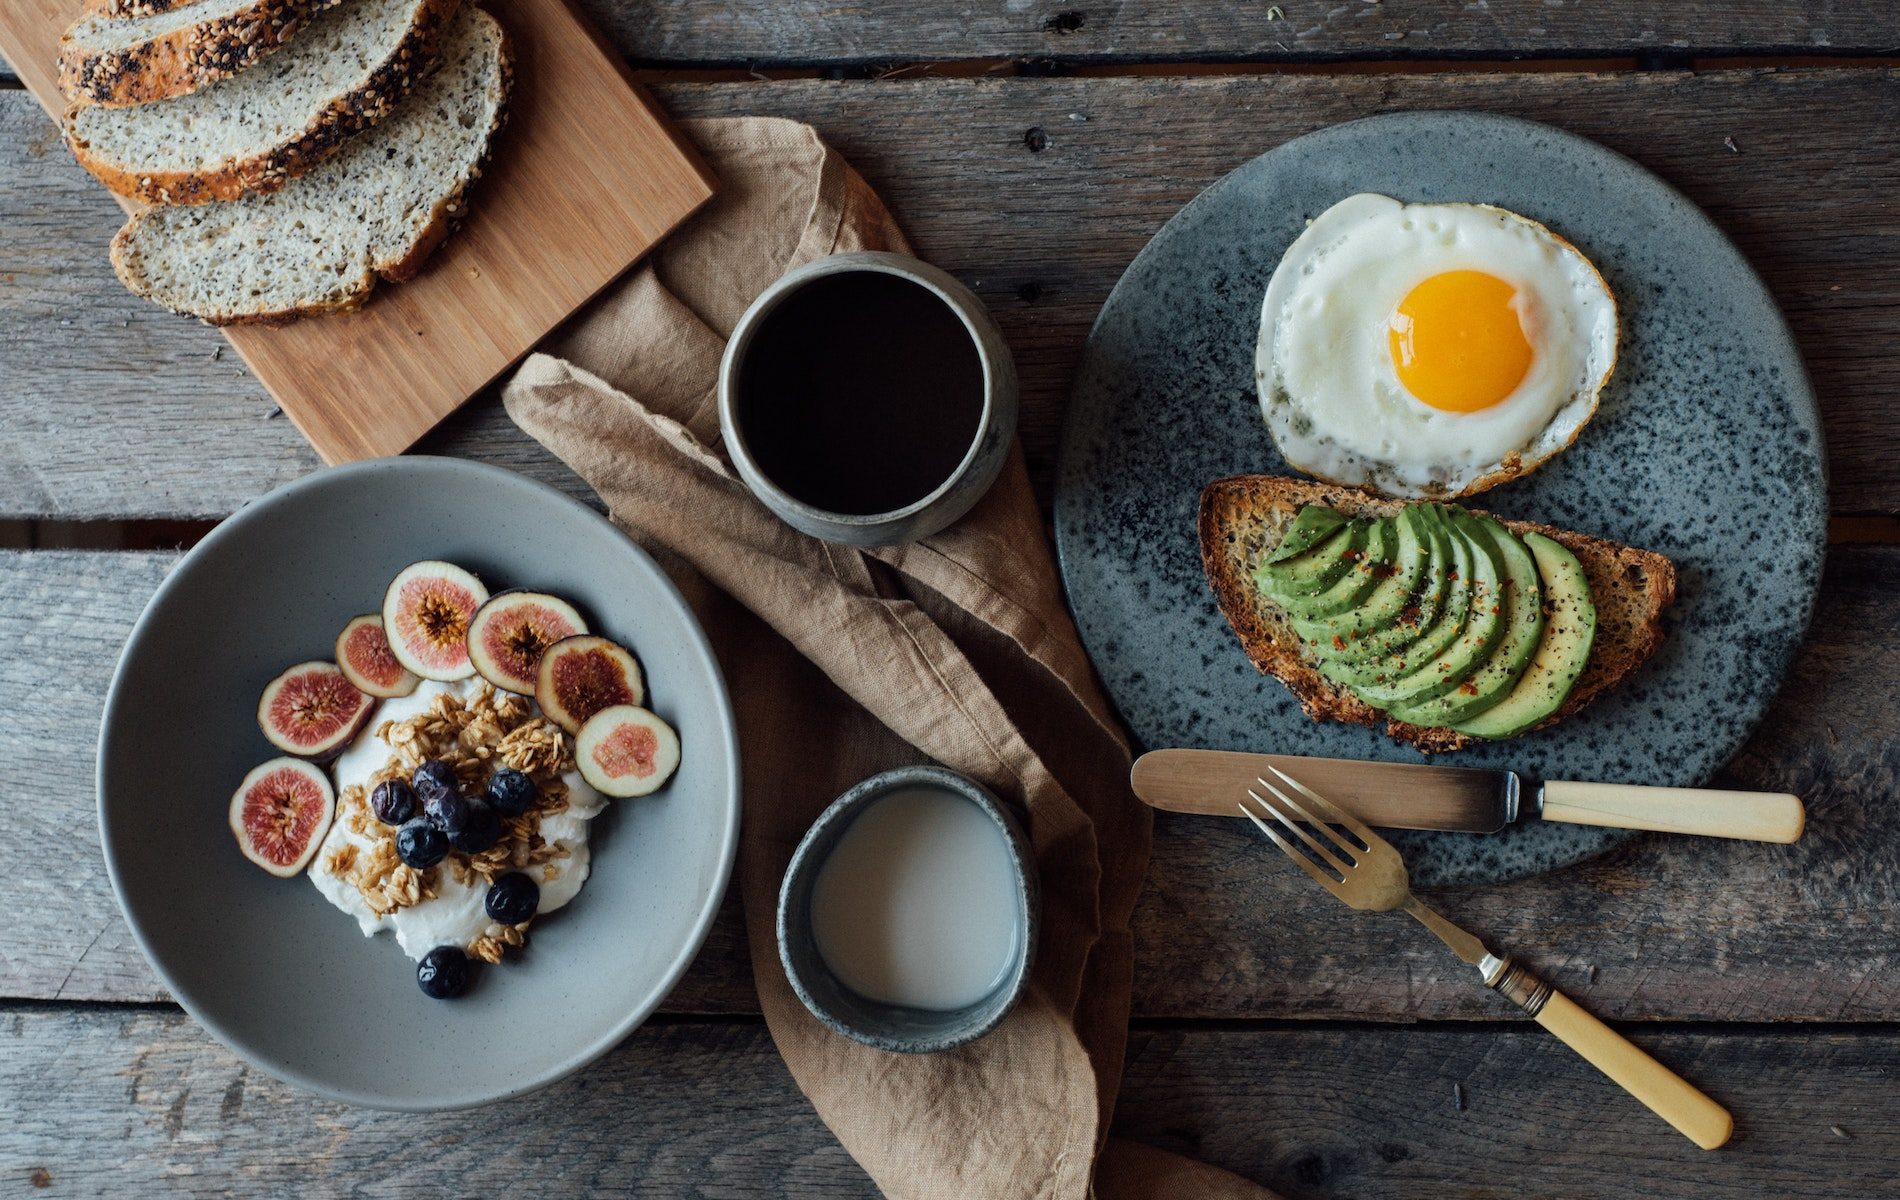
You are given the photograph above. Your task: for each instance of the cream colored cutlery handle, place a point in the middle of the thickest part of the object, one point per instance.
(1668, 1095)
(1748, 816)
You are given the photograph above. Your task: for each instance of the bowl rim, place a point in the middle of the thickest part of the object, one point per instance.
(830, 825)
(117, 698)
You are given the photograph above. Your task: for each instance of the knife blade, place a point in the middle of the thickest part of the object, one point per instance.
(1462, 799)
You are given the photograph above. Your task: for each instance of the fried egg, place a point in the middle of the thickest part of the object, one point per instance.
(1430, 349)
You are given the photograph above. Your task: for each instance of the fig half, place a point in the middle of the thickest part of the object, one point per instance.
(364, 657)
(626, 751)
(512, 631)
(426, 614)
(312, 710)
(579, 676)
(281, 812)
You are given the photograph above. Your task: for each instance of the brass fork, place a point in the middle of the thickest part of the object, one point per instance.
(1371, 876)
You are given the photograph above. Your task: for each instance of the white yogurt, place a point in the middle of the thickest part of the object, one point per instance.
(917, 903)
(455, 917)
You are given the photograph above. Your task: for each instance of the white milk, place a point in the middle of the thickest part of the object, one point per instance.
(917, 903)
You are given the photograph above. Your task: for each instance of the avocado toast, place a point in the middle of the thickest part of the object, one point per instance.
(1450, 625)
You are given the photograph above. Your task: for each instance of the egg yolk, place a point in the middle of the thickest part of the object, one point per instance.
(1457, 342)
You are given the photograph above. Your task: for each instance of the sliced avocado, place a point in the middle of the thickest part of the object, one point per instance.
(1318, 568)
(1341, 635)
(1561, 657)
(1452, 564)
(1386, 635)
(1432, 678)
(1517, 641)
(1314, 524)
(1357, 583)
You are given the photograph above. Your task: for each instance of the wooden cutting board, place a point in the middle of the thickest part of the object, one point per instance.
(586, 177)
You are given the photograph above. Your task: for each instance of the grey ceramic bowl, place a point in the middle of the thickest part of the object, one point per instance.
(966, 484)
(266, 964)
(889, 1026)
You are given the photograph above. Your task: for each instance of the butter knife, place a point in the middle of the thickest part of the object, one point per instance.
(1466, 799)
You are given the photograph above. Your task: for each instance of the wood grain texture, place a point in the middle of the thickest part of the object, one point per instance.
(1663, 928)
(791, 33)
(709, 1110)
(551, 222)
(91, 379)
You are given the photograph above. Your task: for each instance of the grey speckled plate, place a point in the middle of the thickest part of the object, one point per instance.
(267, 964)
(1707, 447)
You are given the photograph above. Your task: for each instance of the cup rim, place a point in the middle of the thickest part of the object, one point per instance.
(806, 860)
(957, 298)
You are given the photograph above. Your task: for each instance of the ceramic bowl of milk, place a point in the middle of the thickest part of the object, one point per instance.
(907, 919)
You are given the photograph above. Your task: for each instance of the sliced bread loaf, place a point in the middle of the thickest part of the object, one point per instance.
(253, 131)
(376, 208)
(133, 8)
(110, 58)
(1245, 516)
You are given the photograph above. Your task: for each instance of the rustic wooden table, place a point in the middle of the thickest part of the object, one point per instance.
(1032, 149)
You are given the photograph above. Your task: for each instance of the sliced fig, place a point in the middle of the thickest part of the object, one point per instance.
(312, 710)
(626, 751)
(513, 630)
(364, 657)
(281, 812)
(579, 676)
(426, 613)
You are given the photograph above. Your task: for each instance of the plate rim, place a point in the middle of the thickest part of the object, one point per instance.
(1804, 407)
(116, 696)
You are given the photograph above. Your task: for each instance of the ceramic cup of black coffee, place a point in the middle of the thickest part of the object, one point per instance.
(867, 399)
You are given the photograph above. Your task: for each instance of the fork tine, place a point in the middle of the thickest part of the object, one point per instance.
(1322, 851)
(1341, 815)
(1351, 851)
(1306, 864)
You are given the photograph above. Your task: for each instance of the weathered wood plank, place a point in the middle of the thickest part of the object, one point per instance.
(795, 33)
(115, 409)
(709, 1110)
(1675, 928)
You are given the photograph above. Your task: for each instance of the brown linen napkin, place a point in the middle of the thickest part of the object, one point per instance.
(843, 663)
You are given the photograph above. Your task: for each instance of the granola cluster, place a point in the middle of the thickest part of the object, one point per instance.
(492, 728)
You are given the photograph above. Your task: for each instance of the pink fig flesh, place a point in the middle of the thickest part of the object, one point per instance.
(513, 630)
(426, 614)
(364, 657)
(579, 676)
(312, 710)
(626, 751)
(280, 813)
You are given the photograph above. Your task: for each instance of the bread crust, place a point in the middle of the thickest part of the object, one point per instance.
(1241, 517)
(183, 60)
(446, 216)
(131, 8)
(328, 131)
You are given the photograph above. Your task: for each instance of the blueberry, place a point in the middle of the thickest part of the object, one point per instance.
(511, 792)
(480, 829)
(512, 899)
(434, 778)
(393, 801)
(420, 844)
(447, 811)
(444, 973)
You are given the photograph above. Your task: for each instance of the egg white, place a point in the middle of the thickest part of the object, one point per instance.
(1330, 393)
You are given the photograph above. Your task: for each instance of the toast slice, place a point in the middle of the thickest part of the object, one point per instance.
(1244, 517)
(264, 126)
(115, 59)
(377, 208)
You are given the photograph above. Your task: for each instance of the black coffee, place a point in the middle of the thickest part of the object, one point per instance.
(860, 393)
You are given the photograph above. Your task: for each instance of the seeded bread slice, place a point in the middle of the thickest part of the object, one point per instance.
(261, 127)
(133, 8)
(1245, 516)
(115, 59)
(376, 208)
